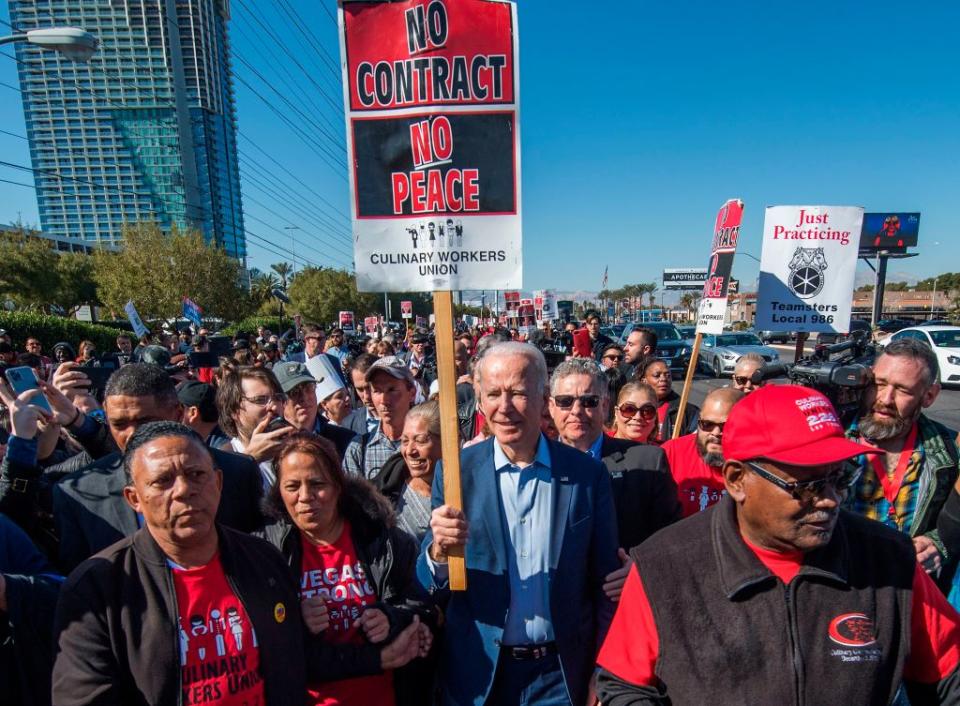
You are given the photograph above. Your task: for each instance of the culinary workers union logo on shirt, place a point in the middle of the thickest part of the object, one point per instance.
(852, 630)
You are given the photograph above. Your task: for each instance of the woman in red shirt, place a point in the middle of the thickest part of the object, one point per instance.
(356, 571)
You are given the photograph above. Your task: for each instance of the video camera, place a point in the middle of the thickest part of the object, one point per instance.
(843, 378)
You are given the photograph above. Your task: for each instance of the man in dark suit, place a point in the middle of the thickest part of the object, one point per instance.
(643, 489)
(88, 506)
(539, 535)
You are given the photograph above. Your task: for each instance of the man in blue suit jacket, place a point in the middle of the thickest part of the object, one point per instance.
(539, 530)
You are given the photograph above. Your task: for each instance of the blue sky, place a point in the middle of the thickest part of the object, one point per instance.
(637, 123)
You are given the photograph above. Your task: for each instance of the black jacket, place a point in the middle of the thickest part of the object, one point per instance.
(690, 416)
(644, 493)
(26, 628)
(91, 512)
(339, 436)
(116, 624)
(730, 632)
(389, 558)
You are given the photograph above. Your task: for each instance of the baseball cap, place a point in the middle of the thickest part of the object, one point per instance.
(289, 375)
(155, 355)
(391, 365)
(420, 336)
(791, 424)
(192, 393)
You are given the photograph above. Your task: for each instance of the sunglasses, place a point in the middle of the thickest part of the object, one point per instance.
(586, 401)
(708, 426)
(647, 412)
(614, 357)
(805, 491)
(742, 379)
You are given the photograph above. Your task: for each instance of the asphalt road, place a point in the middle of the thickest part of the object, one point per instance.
(946, 409)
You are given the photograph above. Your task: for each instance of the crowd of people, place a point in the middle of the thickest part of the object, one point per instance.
(263, 520)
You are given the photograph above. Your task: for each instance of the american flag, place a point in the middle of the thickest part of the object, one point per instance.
(605, 269)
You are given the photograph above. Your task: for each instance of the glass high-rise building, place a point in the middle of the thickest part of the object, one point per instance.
(145, 131)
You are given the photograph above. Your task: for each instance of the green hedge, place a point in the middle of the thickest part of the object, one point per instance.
(53, 329)
(250, 324)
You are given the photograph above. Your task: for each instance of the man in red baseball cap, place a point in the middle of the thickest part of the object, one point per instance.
(775, 594)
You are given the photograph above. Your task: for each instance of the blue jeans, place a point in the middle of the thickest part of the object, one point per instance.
(535, 682)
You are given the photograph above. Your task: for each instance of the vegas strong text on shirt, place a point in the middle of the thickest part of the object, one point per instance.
(219, 657)
(333, 572)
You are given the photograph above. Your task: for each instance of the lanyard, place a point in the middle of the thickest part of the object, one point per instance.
(892, 485)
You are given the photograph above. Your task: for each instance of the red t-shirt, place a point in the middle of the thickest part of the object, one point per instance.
(333, 572)
(698, 485)
(632, 645)
(219, 658)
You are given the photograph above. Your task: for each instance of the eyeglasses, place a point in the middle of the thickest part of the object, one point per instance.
(614, 357)
(708, 426)
(805, 491)
(586, 401)
(646, 412)
(264, 400)
(304, 390)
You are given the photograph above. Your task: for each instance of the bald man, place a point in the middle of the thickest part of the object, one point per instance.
(696, 459)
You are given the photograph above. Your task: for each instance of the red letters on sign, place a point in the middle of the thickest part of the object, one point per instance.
(432, 191)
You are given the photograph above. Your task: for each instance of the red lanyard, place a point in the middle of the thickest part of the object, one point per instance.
(891, 486)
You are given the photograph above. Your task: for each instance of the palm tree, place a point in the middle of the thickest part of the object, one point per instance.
(652, 293)
(283, 269)
(262, 285)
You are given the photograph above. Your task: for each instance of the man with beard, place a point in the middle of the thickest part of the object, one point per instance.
(696, 460)
(640, 343)
(907, 489)
(775, 595)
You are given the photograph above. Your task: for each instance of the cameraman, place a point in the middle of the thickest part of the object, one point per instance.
(908, 488)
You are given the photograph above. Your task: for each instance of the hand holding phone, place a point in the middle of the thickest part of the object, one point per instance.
(581, 343)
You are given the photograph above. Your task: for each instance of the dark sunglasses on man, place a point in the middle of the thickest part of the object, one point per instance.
(567, 401)
(709, 427)
(629, 410)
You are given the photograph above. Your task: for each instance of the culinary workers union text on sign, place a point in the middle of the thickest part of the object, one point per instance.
(433, 142)
(726, 232)
(807, 268)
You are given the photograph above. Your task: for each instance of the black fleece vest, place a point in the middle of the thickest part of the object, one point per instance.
(732, 633)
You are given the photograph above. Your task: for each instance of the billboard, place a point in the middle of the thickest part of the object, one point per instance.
(431, 99)
(893, 232)
(688, 278)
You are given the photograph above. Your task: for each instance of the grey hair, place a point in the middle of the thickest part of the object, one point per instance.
(917, 350)
(430, 412)
(581, 366)
(510, 348)
(751, 358)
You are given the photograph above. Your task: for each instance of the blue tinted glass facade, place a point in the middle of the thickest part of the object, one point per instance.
(110, 142)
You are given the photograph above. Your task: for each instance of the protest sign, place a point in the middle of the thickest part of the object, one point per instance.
(686, 278)
(139, 327)
(549, 305)
(192, 312)
(807, 268)
(346, 321)
(726, 232)
(713, 305)
(433, 143)
(370, 324)
(511, 302)
(406, 309)
(421, 322)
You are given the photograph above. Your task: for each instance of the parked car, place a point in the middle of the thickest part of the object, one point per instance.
(688, 333)
(769, 337)
(936, 322)
(893, 325)
(945, 342)
(720, 353)
(671, 347)
(827, 338)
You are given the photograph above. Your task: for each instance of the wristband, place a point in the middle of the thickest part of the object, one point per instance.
(76, 417)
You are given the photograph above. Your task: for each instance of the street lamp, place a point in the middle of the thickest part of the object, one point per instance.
(933, 301)
(74, 43)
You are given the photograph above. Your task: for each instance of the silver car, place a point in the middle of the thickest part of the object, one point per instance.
(720, 353)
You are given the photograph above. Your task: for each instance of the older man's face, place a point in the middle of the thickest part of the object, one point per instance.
(577, 422)
(743, 375)
(776, 519)
(176, 489)
(512, 399)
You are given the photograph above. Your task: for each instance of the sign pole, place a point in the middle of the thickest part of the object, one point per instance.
(687, 384)
(449, 427)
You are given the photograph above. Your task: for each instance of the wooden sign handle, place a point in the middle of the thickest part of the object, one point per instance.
(687, 384)
(449, 424)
